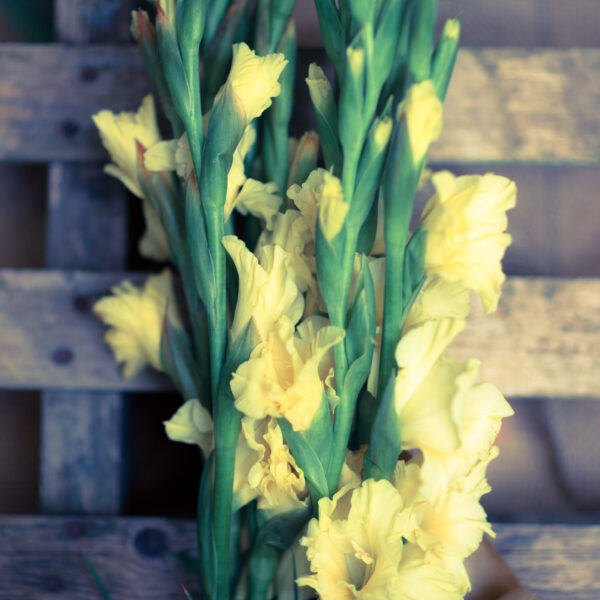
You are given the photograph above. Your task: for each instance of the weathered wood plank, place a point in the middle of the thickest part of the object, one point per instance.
(81, 438)
(48, 93)
(558, 562)
(41, 557)
(504, 105)
(50, 337)
(543, 341)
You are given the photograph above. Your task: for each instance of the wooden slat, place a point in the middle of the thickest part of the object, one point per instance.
(50, 338)
(41, 557)
(543, 341)
(558, 562)
(504, 105)
(81, 435)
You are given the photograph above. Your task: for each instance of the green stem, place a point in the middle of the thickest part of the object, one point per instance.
(227, 424)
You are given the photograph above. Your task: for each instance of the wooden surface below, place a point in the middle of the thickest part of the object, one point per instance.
(504, 104)
(42, 558)
(543, 341)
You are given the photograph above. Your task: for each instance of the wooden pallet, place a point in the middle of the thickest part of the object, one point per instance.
(505, 106)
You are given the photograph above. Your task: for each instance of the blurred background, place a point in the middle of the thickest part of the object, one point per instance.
(548, 469)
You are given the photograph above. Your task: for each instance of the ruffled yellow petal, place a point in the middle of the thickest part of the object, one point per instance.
(237, 176)
(278, 482)
(255, 78)
(192, 424)
(119, 134)
(135, 317)
(266, 291)
(465, 222)
(291, 231)
(282, 377)
(355, 546)
(259, 199)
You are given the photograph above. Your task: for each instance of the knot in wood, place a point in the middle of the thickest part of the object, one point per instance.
(151, 543)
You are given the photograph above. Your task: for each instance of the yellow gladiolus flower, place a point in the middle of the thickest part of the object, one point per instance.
(237, 175)
(321, 196)
(135, 317)
(291, 231)
(356, 544)
(282, 376)
(192, 424)
(255, 79)
(274, 477)
(356, 549)
(423, 112)
(119, 133)
(465, 222)
(266, 290)
(257, 198)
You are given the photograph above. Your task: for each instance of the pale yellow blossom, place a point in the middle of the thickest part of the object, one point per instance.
(465, 222)
(321, 197)
(255, 79)
(135, 316)
(267, 290)
(259, 199)
(192, 424)
(282, 376)
(274, 476)
(119, 134)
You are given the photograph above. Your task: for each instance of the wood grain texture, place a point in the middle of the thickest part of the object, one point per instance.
(50, 337)
(504, 104)
(558, 562)
(543, 340)
(81, 439)
(41, 558)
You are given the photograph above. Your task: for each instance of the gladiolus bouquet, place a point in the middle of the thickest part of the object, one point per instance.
(345, 453)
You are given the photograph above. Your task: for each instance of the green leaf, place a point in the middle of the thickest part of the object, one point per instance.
(366, 410)
(217, 59)
(206, 541)
(414, 267)
(385, 442)
(386, 40)
(421, 39)
(99, 583)
(360, 333)
(202, 263)
(280, 531)
(177, 360)
(332, 32)
(444, 57)
(329, 260)
(307, 459)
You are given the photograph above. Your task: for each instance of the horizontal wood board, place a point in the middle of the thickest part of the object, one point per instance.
(42, 557)
(544, 340)
(504, 104)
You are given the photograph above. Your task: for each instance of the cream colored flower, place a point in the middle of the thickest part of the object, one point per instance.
(119, 134)
(282, 376)
(135, 317)
(465, 222)
(291, 231)
(237, 175)
(423, 112)
(321, 196)
(170, 155)
(355, 546)
(266, 290)
(274, 477)
(192, 424)
(259, 199)
(255, 79)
